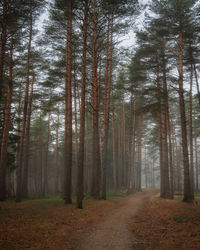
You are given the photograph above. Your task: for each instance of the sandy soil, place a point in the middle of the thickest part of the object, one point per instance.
(114, 231)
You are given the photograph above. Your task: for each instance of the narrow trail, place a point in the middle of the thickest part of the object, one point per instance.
(113, 231)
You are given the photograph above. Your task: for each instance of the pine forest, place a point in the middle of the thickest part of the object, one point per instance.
(100, 98)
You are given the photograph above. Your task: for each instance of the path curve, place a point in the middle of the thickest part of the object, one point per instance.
(113, 231)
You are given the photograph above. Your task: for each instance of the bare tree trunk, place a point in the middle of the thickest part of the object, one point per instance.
(95, 112)
(197, 164)
(56, 155)
(45, 183)
(76, 120)
(80, 181)
(164, 130)
(130, 145)
(22, 137)
(114, 150)
(139, 156)
(171, 168)
(145, 167)
(133, 155)
(197, 83)
(123, 145)
(169, 179)
(105, 122)
(68, 110)
(160, 135)
(107, 104)
(187, 185)
(119, 157)
(87, 164)
(39, 166)
(4, 142)
(191, 137)
(27, 149)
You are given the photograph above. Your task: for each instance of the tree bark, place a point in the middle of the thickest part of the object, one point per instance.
(130, 145)
(105, 122)
(27, 149)
(197, 164)
(165, 134)
(133, 154)
(119, 157)
(107, 103)
(56, 155)
(75, 120)
(68, 110)
(191, 136)
(160, 135)
(45, 183)
(22, 137)
(114, 150)
(4, 142)
(197, 83)
(80, 181)
(139, 156)
(95, 112)
(187, 185)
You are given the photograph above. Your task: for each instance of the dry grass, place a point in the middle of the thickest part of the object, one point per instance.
(48, 223)
(167, 224)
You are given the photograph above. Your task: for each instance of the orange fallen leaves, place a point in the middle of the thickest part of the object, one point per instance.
(40, 225)
(167, 224)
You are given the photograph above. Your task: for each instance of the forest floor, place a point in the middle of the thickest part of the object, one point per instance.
(139, 221)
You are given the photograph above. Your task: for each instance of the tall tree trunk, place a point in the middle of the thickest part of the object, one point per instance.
(56, 155)
(139, 151)
(130, 145)
(160, 134)
(133, 155)
(19, 112)
(197, 164)
(22, 137)
(171, 168)
(3, 43)
(167, 131)
(39, 165)
(95, 112)
(80, 180)
(107, 103)
(87, 164)
(123, 144)
(68, 110)
(119, 157)
(4, 142)
(27, 149)
(187, 185)
(76, 120)
(114, 149)
(191, 136)
(105, 122)
(145, 167)
(165, 134)
(197, 83)
(45, 181)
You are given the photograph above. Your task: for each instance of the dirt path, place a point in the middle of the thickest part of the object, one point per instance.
(113, 231)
